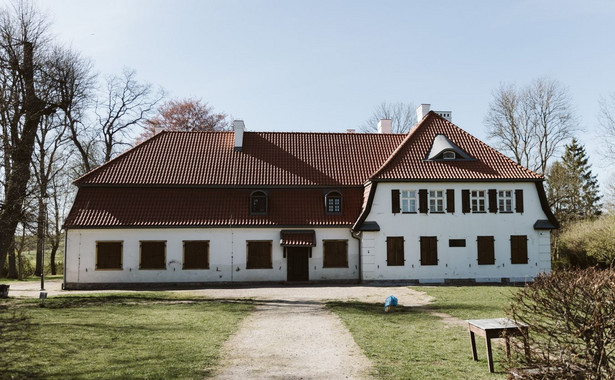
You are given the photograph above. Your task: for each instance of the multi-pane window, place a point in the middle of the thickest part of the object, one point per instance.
(478, 199)
(259, 254)
(108, 255)
(436, 201)
(408, 200)
(335, 253)
(334, 202)
(395, 251)
(258, 202)
(505, 200)
(196, 254)
(153, 255)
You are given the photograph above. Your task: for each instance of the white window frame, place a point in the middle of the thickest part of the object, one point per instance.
(505, 200)
(478, 201)
(436, 200)
(408, 201)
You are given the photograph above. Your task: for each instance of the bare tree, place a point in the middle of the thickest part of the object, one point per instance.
(607, 122)
(532, 123)
(402, 115)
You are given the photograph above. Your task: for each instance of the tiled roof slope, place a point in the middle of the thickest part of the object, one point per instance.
(205, 207)
(408, 162)
(267, 159)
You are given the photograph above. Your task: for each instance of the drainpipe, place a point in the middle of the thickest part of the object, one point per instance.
(358, 237)
(65, 247)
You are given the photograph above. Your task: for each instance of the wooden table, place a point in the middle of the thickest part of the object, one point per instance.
(496, 328)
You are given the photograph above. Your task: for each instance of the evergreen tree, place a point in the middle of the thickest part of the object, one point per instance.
(573, 190)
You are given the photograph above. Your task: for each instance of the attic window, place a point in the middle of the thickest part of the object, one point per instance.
(333, 202)
(448, 155)
(258, 203)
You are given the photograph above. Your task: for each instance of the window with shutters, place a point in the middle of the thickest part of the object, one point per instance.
(196, 254)
(477, 199)
(333, 201)
(505, 201)
(109, 255)
(408, 201)
(335, 253)
(518, 249)
(153, 254)
(259, 254)
(395, 251)
(258, 203)
(436, 201)
(429, 250)
(519, 200)
(486, 254)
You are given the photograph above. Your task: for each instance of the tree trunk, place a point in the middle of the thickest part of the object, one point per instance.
(52, 260)
(12, 264)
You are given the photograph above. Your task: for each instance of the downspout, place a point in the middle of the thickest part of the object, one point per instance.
(64, 264)
(358, 237)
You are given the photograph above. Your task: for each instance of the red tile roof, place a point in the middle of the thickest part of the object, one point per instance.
(206, 207)
(408, 161)
(267, 159)
(295, 238)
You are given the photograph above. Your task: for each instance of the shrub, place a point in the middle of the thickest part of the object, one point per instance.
(590, 242)
(571, 319)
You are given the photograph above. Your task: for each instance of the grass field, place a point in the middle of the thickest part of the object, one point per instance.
(410, 343)
(140, 336)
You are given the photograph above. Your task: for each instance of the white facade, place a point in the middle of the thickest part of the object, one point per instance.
(227, 256)
(455, 262)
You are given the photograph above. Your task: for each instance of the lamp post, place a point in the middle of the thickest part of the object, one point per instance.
(45, 199)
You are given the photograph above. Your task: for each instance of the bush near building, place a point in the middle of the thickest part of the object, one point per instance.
(588, 243)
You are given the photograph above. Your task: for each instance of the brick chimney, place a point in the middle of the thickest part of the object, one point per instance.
(239, 127)
(384, 126)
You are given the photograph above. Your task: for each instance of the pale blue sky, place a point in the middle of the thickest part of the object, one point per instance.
(324, 65)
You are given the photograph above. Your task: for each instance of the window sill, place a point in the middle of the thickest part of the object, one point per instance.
(409, 212)
(395, 265)
(479, 212)
(437, 212)
(505, 212)
(108, 269)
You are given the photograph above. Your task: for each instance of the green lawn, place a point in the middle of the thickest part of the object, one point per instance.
(410, 343)
(139, 336)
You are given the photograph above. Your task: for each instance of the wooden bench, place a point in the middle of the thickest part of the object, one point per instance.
(496, 328)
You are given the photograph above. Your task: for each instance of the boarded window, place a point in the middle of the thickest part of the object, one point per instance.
(196, 254)
(519, 200)
(259, 254)
(423, 201)
(395, 251)
(429, 250)
(335, 253)
(493, 200)
(258, 202)
(486, 254)
(153, 255)
(395, 201)
(450, 200)
(457, 242)
(108, 255)
(518, 249)
(465, 201)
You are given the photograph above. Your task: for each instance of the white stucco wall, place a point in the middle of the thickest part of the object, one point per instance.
(455, 262)
(227, 256)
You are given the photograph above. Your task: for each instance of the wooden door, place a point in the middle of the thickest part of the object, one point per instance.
(298, 263)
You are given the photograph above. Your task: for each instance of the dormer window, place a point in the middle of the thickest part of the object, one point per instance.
(448, 155)
(258, 203)
(333, 202)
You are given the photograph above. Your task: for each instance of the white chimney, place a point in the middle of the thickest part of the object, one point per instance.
(384, 126)
(350, 131)
(239, 127)
(421, 111)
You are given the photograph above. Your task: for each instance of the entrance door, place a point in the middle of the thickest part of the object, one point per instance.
(298, 263)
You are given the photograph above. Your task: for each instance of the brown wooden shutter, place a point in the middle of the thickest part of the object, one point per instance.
(465, 201)
(395, 251)
(259, 255)
(518, 249)
(196, 254)
(109, 255)
(450, 200)
(493, 200)
(486, 254)
(153, 255)
(335, 254)
(429, 250)
(395, 201)
(519, 200)
(423, 201)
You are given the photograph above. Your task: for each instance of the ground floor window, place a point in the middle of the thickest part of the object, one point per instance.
(395, 251)
(429, 250)
(196, 254)
(518, 249)
(259, 254)
(153, 254)
(486, 253)
(335, 253)
(108, 255)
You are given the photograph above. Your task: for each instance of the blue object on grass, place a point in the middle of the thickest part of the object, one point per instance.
(390, 301)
